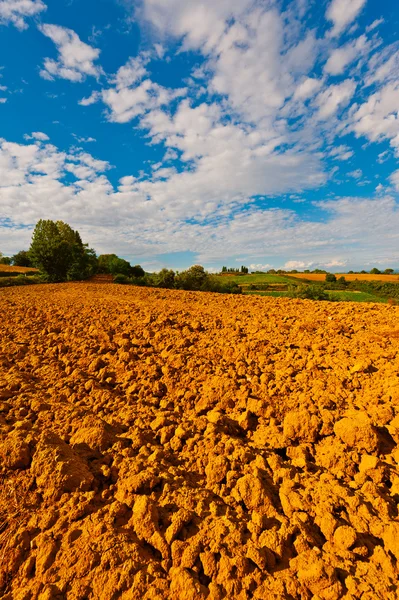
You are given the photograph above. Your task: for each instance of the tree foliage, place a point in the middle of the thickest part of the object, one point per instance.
(310, 292)
(58, 251)
(4, 260)
(191, 279)
(22, 259)
(165, 278)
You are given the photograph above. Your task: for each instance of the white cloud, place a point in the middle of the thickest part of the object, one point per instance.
(3, 100)
(394, 178)
(377, 118)
(84, 140)
(75, 58)
(255, 57)
(342, 13)
(383, 156)
(334, 98)
(374, 24)
(92, 99)
(132, 72)
(133, 94)
(297, 264)
(37, 135)
(17, 11)
(32, 186)
(259, 267)
(341, 57)
(307, 88)
(129, 102)
(341, 152)
(384, 66)
(356, 174)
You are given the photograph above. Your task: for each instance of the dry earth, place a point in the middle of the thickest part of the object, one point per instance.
(172, 445)
(11, 269)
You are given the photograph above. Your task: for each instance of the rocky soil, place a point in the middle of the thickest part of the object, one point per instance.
(173, 445)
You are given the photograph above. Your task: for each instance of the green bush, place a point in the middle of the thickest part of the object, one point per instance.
(165, 279)
(120, 278)
(309, 292)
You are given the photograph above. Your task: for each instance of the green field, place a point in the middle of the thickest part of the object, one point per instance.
(355, 296)
(283, 281)
(256, 278)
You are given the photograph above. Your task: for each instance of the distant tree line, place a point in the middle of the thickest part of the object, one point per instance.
(193, 279)
(373, 271)
(59, 253)
(243, 270)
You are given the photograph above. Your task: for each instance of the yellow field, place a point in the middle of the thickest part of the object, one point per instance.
(348, 277)
(10, 269)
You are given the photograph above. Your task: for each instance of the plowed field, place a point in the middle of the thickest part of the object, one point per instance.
(11, 269)
(172, 445)
(348, 276)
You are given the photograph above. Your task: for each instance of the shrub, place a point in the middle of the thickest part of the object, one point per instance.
(165, 279)
(120, 278)
(309, 292)
(330, 278)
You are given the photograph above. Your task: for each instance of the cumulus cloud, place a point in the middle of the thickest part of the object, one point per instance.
(342, 13)
(356, 174)
(33, 185)
(377, 118)
(341, 152)
(126, 103)
(17, 11)
(384, 65)
(75, 58)
(334, 97)
(394, 178)
(92, 99)
(37, 135)
(83, 140)
(341, 57)
(307, 88)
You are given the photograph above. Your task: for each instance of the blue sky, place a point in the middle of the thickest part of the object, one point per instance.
(257, 132)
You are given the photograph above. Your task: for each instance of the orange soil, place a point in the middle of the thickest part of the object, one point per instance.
(348, 277)
(10, 269)
(172, 445)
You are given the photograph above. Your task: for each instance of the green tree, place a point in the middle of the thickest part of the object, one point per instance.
(119, 266)
(388, 271)
(165, 279)
(330, 278)
(137, 271)
(375, 271)
(192, 279)
(50, 252)
(58, 251)
(104, 262)
(4, 260)
(22, 259)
